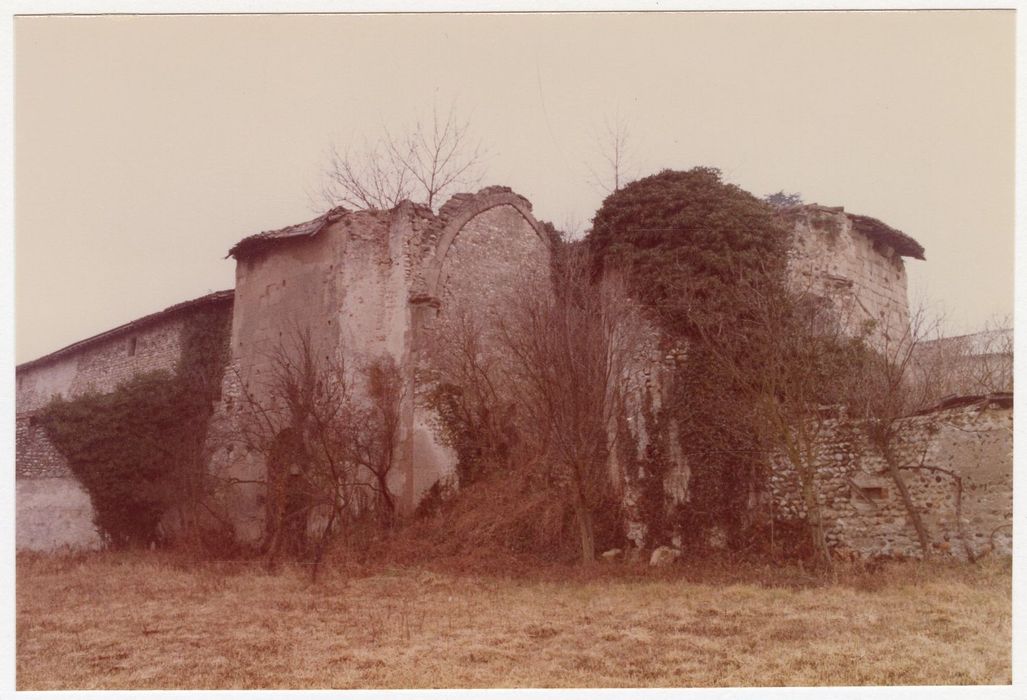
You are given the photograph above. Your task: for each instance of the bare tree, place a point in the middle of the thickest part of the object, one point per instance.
(976, 363)
(911, 374)
(794, 372)
(613, 155)
(882, 392)
(571, 351)
(428, 162)
(327, 446)
(471, 393)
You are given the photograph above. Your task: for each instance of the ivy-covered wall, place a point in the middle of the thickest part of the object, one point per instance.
(159, 360)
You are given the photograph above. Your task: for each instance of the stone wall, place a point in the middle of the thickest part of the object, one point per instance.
(36, 455)
(52, 508)
(100, 366)
(864, 277)
(363, 286)
(860, 503)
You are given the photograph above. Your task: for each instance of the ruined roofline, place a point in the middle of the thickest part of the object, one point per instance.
(1002, 399)
(876, 230)
(226, 296)
(265, 239)
(308, 229)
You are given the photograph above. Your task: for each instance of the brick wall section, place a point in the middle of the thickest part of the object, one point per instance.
(862, 508)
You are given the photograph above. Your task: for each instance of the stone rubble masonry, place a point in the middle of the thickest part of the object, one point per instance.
(369, 284)
(860, 503)
(866, 278)
(45, 517)
(362, 286)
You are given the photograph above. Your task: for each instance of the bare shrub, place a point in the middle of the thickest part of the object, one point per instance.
(571, 351)
(327, 438)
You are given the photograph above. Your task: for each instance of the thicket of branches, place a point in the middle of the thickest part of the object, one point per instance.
(531, 397)
(327, 435)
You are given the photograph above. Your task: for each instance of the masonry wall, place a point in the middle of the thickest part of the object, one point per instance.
(867, 281)
(100, 366)
(344, 290)
(497, 259)
(863, 510)
(53, 510)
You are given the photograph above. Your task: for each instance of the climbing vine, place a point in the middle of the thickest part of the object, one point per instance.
(138, 450)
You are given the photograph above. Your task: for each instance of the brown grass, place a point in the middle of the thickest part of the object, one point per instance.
(149, 621)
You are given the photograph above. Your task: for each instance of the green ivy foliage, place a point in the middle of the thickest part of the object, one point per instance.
(138, 450)
(684, 240)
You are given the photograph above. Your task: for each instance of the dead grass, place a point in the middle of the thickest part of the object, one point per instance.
(147, 621)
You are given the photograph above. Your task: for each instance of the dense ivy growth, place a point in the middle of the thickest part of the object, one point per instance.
(684, 240)
(138, 450)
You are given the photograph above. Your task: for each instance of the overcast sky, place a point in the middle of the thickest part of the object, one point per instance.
(147, 146)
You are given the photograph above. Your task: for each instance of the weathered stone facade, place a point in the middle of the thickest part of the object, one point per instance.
(400, 283)
(856, 262)
(957, 456)
(367, 285)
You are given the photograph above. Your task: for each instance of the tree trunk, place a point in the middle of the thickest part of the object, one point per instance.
(907, 501)
(814, 519)
(585, 530)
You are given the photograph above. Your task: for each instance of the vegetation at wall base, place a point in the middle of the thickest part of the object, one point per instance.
(138, 450)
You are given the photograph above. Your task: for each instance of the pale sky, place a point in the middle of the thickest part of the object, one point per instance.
(146, 146)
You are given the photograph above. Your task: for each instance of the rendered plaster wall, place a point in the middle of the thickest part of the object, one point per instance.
(53, 513)
(867, 281)
(860, 503)
(343, 291)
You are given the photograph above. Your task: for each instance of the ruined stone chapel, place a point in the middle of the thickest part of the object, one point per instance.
(370, 284)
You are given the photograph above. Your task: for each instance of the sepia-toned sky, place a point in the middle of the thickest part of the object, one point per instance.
(146, 146)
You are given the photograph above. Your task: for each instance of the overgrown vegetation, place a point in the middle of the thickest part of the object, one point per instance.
(139, 450)
(326, 435)
(685, 241)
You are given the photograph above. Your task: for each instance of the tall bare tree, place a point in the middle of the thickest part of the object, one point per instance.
(571, 352)
(613, 162)
(429, 161)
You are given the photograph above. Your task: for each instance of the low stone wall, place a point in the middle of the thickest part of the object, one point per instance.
(862, 508)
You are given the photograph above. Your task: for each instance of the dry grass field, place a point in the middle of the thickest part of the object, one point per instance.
(145, 621)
